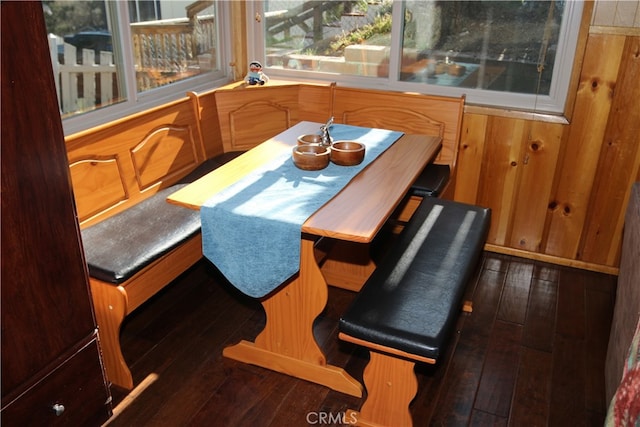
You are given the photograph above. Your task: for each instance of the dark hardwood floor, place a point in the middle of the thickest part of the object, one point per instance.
(530, 354)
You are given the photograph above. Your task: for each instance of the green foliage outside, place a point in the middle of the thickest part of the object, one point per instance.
(381, 26)
(70, 17)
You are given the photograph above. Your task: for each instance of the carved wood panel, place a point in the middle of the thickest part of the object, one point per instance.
(166, 152)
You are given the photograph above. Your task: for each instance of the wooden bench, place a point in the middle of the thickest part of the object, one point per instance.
(281, 104)
(406, 311)
(122, 170)
(234, 107)
(136, 243)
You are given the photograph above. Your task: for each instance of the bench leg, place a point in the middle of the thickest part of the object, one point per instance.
(110, 304)
(391, 385)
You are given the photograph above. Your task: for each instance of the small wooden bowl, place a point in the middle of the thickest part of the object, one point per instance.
(309, 139)
(347, 153)
(311, 157)
(456, 70)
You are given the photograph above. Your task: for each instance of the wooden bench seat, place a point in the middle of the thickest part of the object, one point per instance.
(135, 242)
(407, 310)
(134, 254)
(120, 246)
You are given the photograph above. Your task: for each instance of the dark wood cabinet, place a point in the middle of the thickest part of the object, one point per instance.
(52, 372)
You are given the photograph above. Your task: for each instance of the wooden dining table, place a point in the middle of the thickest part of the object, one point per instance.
(353, 216)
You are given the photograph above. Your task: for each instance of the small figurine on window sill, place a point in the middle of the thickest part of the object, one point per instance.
(255, 76)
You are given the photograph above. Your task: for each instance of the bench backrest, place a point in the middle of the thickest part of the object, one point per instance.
(251, 115)
(119, 164)
(407, 112)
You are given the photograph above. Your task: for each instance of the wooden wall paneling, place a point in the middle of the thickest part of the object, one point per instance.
(501, 169)
(472, 146)
(538, 163)
(618, 165)
(581, 47)
(583, 145)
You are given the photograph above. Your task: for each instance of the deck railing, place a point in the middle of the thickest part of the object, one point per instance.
(164, 51)
(174, 44)
(85, 84)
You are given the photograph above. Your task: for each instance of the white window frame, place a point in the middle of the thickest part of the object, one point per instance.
(136, 102)
(554, 103)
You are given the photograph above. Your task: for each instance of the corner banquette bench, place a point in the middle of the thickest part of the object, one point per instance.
(136, 243)
(406, 311)
(282, 104)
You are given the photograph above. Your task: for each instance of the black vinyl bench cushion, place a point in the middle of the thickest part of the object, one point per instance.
(432, 181)
(122, 245)
(411, 301)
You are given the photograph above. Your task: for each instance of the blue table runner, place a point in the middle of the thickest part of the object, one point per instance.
(251, 229)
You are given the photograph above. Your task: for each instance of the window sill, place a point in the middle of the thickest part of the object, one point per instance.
(516, 114)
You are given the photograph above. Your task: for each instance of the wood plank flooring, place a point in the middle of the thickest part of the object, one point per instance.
(530, 354)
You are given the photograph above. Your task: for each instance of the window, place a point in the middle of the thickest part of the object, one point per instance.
(111, 59)
(513, 54)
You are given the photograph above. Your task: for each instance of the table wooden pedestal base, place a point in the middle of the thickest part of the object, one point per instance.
(287, 344)
(327, 375)
(348, 265)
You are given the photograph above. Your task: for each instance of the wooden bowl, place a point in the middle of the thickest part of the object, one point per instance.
(456, 70)
(311, 157)
(309, 139)
(347, 153)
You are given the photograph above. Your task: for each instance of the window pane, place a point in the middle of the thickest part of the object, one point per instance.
(345, 37)
(505, 46)
(172, 40)
(87, 74)
(144, 10)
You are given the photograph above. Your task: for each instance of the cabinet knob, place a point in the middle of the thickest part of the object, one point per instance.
(58, 409)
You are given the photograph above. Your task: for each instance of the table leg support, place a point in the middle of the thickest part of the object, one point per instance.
(287, 343)
(327, 375)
